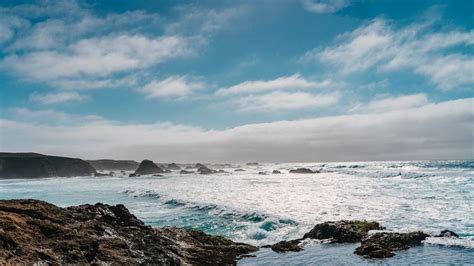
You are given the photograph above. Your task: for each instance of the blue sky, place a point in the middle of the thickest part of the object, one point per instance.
(186, 70)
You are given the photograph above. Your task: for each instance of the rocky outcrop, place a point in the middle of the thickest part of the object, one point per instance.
(303, 171)
(383, 245)
(344, 231)
(34, 231)
(447, 233)
(148, 167)
(199, 165)
(203, 170)
(110, 165)
(173, 166)
(276, 172)
(252, 164)
(34, 165)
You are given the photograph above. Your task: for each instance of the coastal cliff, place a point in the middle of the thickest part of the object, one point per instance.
(34, 165)
(33, 231)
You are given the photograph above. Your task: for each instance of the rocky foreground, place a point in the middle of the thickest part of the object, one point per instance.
(34, 231)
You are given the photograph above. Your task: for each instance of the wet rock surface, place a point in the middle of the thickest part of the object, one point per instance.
(384, 245)
(344, 231)
(33, 231)
(203, 170)
(173, 166)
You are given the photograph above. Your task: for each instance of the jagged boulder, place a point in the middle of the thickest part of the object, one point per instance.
(148, 167)
(36, 232)
(344, 231)
(383, 245)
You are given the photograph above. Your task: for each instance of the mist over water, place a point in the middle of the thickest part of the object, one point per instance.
(263, 209)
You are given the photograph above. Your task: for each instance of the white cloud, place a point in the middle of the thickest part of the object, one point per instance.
(432, 131)
(174, 86)
(325, 6)
(98, 57)
(282, 83)
(380, 45)
(393, 103)
(55, 98)
(279, 101)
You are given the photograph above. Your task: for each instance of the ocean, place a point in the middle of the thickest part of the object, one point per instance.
(263, 209)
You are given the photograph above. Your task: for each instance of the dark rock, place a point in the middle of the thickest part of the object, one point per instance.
(239, 170)
(447, 233)
(173, 166)
(120, 165)
(184, 172)
(285, 246)
(133, 175)
(252, 163)
(102, 174)
(276, 172)
(205, 171)
(342, 231)
(148, 167)
(383, 245)
(221, 171)
(34, 232)
(199, 165)
(157, 175)
(262, 173)
(34, 165)
(303, 171)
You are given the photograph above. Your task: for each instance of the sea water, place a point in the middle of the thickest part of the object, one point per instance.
(264, 209)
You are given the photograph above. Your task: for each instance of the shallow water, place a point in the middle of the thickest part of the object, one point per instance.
(262, 209)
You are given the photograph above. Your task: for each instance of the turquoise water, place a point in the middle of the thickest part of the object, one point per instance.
(263, 209)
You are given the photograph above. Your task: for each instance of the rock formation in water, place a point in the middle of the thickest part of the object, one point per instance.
(148, 167)
(303, 171)
(108, 165)
(34, 231)
(203, 170)
(252, 164)
(34, 165)
(173, 166)
(185, 172)
(276, 172)
(383, 245)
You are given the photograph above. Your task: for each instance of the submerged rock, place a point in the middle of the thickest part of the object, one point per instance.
(184, 172)
(262, 173)
(173, 166)
(254, 163)
(34, 231)
(344, 231)
(286, 246)
(148, 167)
(383, 245)
(34, 165)
(239, 170)
(276, 172)
(303, 171)
(103, 174)
(132, 175)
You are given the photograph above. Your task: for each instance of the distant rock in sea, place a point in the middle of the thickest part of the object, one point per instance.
(239, 170)
(185, 172)
(34, 165)
(254, 163)
(120, 165)
(303, 171)
(148, 167)
(173, 166)
(36, 232)
(203, 170)
(199, 165)
(276, 172)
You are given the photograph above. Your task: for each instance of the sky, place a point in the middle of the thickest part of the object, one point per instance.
(238, 81)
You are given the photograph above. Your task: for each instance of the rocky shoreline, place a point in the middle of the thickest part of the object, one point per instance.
(33, 231)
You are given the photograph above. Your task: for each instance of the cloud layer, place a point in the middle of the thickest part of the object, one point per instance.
(432, 131)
